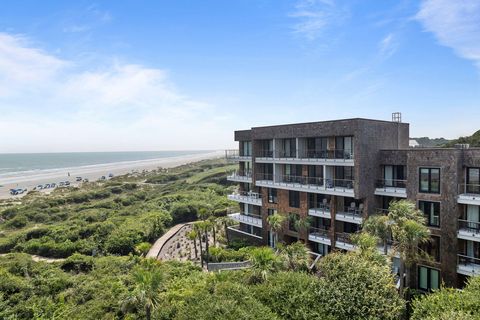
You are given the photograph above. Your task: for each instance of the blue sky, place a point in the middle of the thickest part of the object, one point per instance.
(178, 74)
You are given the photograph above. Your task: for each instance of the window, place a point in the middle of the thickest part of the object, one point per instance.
(343, 147)
(431, 210)
(294, 199)
(393, 173)
(473, 180)
(289, 148)
(428, 278)
(271, 212)
(429, 180)
(432, 248)
(272, 195)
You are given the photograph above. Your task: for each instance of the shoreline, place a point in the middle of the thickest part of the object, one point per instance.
(94, 172)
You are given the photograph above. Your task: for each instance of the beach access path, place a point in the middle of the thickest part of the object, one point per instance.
(158, 245)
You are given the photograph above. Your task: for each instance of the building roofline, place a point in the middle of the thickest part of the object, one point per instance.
(325, 121)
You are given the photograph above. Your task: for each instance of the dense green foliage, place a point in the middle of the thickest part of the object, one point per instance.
(103, 231)
(450, 304)
(111, 217)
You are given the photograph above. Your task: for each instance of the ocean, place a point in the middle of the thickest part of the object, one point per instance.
(23, 163)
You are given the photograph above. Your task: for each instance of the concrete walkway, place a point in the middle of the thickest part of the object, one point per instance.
(158, 245)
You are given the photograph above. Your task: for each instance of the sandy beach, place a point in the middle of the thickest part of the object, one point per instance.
(29, 180)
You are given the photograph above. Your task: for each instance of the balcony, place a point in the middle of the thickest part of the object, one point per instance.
(469, 194)
(320, 210)
(336, 187)
(391, 188)
(236, 229)
(469, 230)
(246, 197)
(468, 266)
(319, 235)
(390, 248)
(343, 241)
(351, 214)
(240, 176)
(235, 155)
(313, 157)
(252, 220)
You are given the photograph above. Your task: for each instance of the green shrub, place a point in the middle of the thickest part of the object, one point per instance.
(17, 222)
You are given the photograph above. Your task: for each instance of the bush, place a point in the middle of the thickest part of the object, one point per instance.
(182, 212)
(17, 222)
(122, 242)
(78, 263)
(217, 254)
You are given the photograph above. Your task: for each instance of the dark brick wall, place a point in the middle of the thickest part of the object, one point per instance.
(450, 163)
(243, 135)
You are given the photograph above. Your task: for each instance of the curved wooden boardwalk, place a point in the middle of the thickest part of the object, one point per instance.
(158, 245)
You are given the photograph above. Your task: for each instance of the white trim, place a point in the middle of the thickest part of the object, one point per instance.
(243, 232)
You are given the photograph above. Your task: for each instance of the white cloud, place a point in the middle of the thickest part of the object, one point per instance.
(314, 16)
(388, 46)
(51, 104)
(455, 24)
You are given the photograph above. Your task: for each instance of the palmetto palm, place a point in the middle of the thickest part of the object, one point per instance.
(275, 222)
(406, 225)
(148, 287)
(192, 235)
(264, 261)
(301, 224)
(296, 256)
(226, 222)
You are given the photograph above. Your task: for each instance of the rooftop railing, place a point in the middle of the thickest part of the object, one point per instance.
(235, 154)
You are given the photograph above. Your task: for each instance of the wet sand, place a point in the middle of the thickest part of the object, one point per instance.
(94, 172)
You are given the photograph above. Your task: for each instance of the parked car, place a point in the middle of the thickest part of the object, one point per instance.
(85, 180)
(103, 178)
(53, 185)
(78, 179)
(67, 183)
(46, 186)
(110, 175)
(61, 184)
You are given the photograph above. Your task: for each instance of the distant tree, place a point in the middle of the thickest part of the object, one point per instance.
(275, 221)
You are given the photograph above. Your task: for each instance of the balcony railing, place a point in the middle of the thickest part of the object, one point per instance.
(246, 197)
(250, 219)
(391, 183)
(264, 176)
(468, 265)
(469, 194)
(319, 232)
(328, 154)
(240, 176)
(236, 155)
(319, 209)
(336, 154)
(316, 183)
(352, 214)
(469, 189)
(469, 226)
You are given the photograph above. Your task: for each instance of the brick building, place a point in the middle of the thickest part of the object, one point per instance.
(339, 172)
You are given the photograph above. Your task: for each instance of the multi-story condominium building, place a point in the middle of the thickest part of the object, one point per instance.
(340, 172)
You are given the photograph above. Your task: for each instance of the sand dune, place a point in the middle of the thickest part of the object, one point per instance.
(93, 172)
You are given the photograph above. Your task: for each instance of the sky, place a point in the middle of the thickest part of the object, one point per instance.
(121, 75)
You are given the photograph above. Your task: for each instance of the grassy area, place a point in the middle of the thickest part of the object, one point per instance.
(213, 173)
